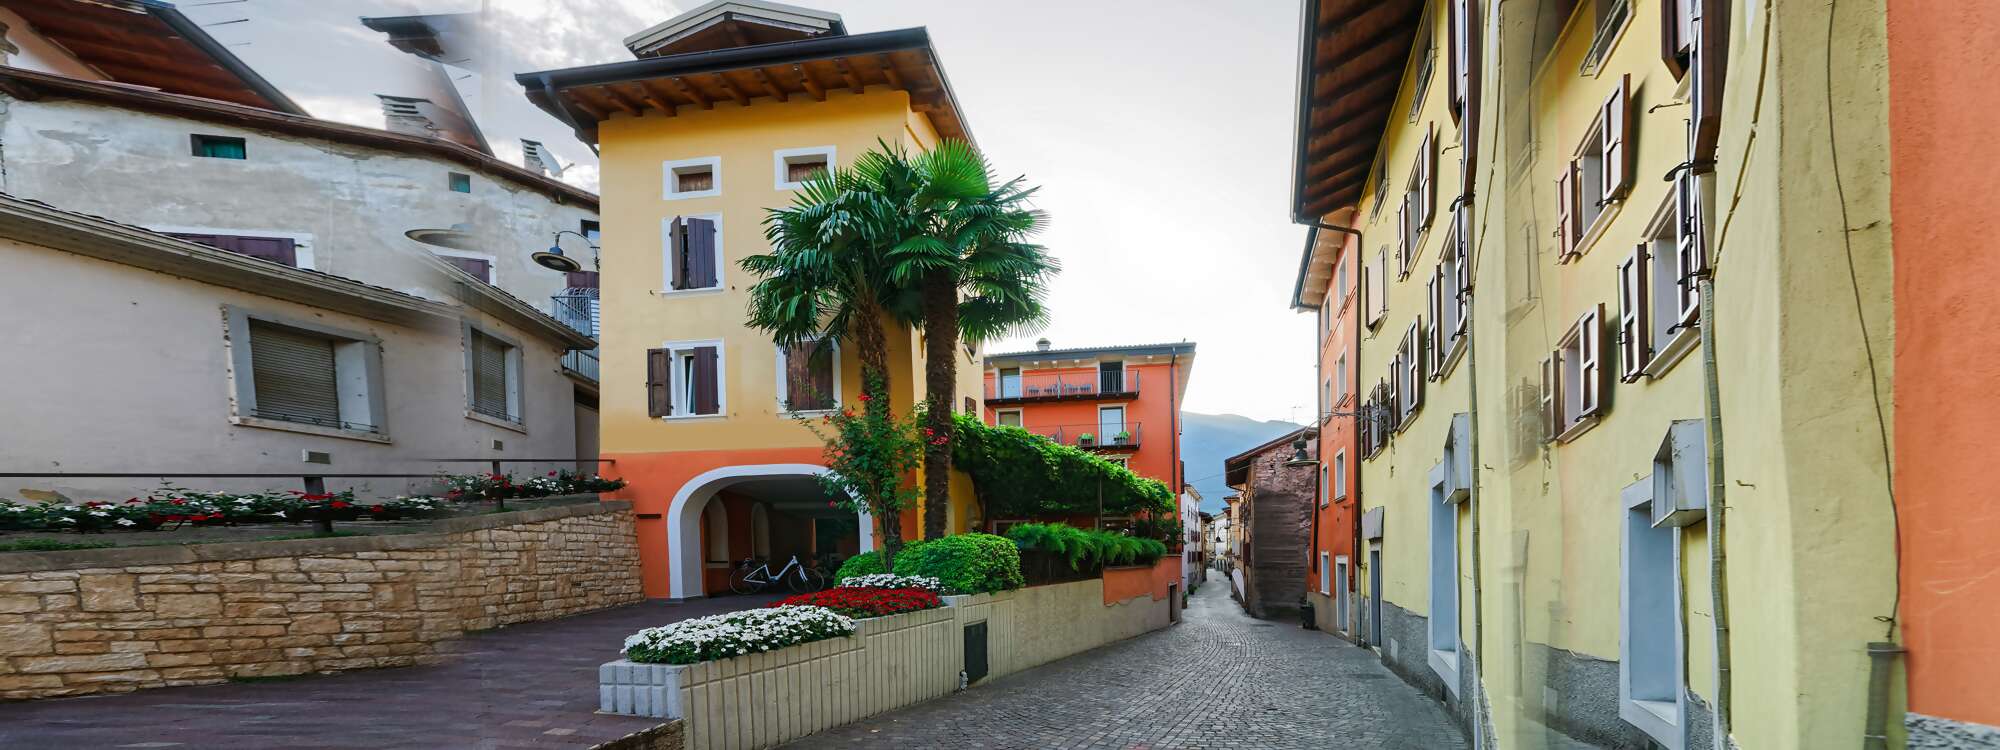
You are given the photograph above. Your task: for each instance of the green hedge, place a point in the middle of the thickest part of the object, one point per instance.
(964, 563)
(1086, 547)
(865, 564)
(1020, 474)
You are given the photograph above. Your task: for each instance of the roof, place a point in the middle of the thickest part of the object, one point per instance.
(1182, 347)
(1237, 467)
(1324, 244)
(149, 43)
(32, 85)
(1352, 54)
(902, 59)
(733, 23)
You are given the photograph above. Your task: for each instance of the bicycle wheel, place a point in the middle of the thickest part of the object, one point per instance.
(807, 580)
(744, 580)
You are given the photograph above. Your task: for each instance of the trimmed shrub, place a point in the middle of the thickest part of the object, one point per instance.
(1090, 547)
(865, 564)
(964, 563)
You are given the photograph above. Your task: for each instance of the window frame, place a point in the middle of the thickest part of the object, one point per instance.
(784, 381)
(1019, 414)
(781, 162)
(453, 179)
(1000, 382)
(199, 142)
(674, 168)
(1443, 623)
(1669, 727)
(515, 372)
(1581, 374)
(675, 350)
(668, 251)
(360, 357)
(1340, 474)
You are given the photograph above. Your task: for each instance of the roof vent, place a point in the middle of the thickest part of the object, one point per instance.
(407, 115)
(537, 158)
(1041, 345)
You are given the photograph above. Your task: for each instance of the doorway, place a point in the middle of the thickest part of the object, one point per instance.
(1375, 595)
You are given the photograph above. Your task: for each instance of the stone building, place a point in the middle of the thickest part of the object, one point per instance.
(1276, 486)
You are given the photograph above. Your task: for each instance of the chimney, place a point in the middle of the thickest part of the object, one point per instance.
(407, 115)
(531, 157)
(1041, 345)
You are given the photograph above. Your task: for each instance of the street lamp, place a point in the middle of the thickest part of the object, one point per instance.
(554, 259)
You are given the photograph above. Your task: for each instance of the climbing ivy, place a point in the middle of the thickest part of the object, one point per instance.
(1018, 474)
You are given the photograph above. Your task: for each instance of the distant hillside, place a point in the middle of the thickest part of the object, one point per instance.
(1207, 439)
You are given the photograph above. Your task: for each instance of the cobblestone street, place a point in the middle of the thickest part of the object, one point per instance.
(1220, 679)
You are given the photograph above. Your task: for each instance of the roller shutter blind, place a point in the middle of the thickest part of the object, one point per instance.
(293, 372)
(489, 376)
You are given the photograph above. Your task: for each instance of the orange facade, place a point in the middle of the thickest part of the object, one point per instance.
(1947, 351)
(1335, 524)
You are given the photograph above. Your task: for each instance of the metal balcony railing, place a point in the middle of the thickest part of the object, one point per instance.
(1091, 435)
(577, 307)
(1063, 386)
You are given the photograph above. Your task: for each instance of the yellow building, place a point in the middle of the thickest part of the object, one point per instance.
(1540, 202)
(726, 110)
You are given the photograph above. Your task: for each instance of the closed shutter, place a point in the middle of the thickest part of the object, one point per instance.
(1635, 346)
(581, 279)
(659, 401)
(1566, 213)
(294, 375)
(1590, 363)
(802, 171)
(809, 376)
(701, 253)
(281, 250)
(489, 376)
(477, 268)
(676, 254)
(707, 381)
(1552, 418)
(1616, 136)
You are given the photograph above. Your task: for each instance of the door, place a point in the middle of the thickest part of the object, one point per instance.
(1375, 596)
(1340, 589)
(1110, 422)
(1111, 377)
(1010, 383)
(1173, 602)
(975, 652)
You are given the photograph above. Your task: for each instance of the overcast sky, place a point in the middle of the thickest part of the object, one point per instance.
(1159, 131)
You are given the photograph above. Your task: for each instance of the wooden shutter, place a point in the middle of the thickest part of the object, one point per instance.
(478, 268)
(707, 381)
(1709, 62)
(1616, 136)
(809, 376)
(1381, 279)
(1674, 34)
(294, 375)
(581, 279)
(1552, 418)
(1469, 72)
(1566, 213)
(1436, 330)
(489, 376)
(802, 171)
(701, 253)
(659, 398)
(1414, 342)
(1463, 269)
(1403, 237)
(677, 264)
(281, 250)
(1691, 253)
(1635, 340)
(1590, 363)
(1455, 61)
(1427, 181)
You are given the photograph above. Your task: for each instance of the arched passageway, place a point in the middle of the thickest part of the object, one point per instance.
(777, 510)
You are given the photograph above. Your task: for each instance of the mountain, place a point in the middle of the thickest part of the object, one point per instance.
(1207, 439)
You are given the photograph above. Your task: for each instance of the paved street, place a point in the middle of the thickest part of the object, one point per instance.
(532, 685)
(1218, 680)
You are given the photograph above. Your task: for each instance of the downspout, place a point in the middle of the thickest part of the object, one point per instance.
(1718, 558)
(1472, 508)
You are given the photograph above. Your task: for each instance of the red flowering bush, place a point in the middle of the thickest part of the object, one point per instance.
(859, 602)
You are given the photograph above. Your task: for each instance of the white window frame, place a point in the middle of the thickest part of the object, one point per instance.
(1442, 636)
(1664, 721)
(1125, 461)
(1124, 374)
(784, 385)
(1340, 380)
(667, 257)
(516, 370)
(674, 168)
(1000, 382)
(356, 361)
(1325, 485)
(675, 350)
(1342, 598)
(302, 242)
(1019, 414)
(1325, 573)
(1124, 423)
(781, 161)
(1340, 474)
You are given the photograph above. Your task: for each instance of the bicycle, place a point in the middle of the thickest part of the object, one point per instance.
(753, 575)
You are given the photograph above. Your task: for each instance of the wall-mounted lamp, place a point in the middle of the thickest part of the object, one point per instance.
(554, 259)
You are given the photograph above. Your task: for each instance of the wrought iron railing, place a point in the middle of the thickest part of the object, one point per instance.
(578, 308)
(1053, 386)
(1091, 435)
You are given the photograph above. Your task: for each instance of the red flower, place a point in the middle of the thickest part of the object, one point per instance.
(338, 505)
(178, 501)
(319, 497)
(374, 508)
(552, 473)
(175, 518)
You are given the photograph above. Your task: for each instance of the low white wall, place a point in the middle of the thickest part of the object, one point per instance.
(764, 700)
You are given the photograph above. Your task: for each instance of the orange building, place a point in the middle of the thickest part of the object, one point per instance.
(1123, 402)
(1326, 287)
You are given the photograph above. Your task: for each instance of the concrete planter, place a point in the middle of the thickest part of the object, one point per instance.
(634, 689)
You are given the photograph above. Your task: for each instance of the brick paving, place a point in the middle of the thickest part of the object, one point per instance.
(1220, 679)
(530, 685)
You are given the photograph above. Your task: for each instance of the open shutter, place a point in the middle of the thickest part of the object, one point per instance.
(659, 402)
(1674, 34)
(1689, 248)
(1381, 279)
(707, 381)
(1617, 139)
(1460, 64)
(1469, 70)
(1462, 285)
(676, 260)
(1427, 186)
(1635, 345)
(701, 253)
(1438, 285)
(1403, 237)
(1709, 62)
(1416, 364)
(1552, 421)
(1566, 214)
(1590, 363)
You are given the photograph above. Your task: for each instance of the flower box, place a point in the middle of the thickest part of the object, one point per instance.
(634, 689)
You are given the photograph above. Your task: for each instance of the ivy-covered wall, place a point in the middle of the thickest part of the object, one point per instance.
(1018, 474)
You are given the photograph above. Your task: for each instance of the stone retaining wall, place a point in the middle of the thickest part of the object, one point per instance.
(116, 620)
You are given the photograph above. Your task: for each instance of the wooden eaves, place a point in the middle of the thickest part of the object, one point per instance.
(1353, 57)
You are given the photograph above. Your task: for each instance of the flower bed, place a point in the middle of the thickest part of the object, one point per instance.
(735, 634)
(174, 508)
(893, 581)
(497, 487)
(864, 602)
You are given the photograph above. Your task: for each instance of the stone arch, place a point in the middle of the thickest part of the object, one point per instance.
(684, 520)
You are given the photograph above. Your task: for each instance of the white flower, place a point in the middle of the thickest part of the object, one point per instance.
(127, 522)
(280, 514)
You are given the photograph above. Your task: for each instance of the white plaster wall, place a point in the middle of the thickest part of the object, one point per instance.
(114, 368)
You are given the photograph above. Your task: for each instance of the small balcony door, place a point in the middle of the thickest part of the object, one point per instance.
(1010, 383)
(1110, 422)
(1111, 377)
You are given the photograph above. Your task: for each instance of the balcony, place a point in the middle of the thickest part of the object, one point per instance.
(1028, 389)
(1109, 437)
(577, 307)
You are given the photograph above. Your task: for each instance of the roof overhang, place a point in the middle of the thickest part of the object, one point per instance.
(1316, 262)
(1352, 56)
(1183, 349)
(150, 43)
(1237, 468)
(902, 59)
(733, 23)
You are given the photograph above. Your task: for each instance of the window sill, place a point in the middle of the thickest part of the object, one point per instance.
(1598, 228)
(1445, 664)
(310, 429)
(1577, 429)
(1683, 342)
(692, 194)
(690, 417)
(679, 292)
(806, 413)
(1659, 720)
(496, 421)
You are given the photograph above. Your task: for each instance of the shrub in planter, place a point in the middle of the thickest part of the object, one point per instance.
(964, 563)
(735, 634)
(1086, 547)
(893, 581)
(864, 564)
(867, 601)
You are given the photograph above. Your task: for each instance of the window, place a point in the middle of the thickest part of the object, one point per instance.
(1010, 382)
(220, 147)
(1340, 475)
(492, 376)
(1326, 399)
(1678, 19)
(1598, 174)
(1572, 379)
(1111, 377)
(1325, 574)
(693, 178)
(1325, 489)
(809, 376)
(1340, 597)
(1651, 675)
(1378, 289)
(693, 253)
(1659, 297)
(1408, 372)
(1419, 204)
(684, 379)
(592, 231)
(459, 182)
(793, 166)
(280, 250)
(1124, 462)
(1381, 189)
(1464, 43)
(1111, 424)
(1340, 380)
(1008, 418)
(1443, 633)
(287, 373)
(1426, 62)
(1609, 22)
(1449, 300)
(1340, 289)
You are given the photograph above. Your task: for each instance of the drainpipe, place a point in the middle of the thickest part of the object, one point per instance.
(1472, 508)
(1718, 557)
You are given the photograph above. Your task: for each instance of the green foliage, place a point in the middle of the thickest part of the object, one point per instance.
(869, 452)
(964, 563)
(1020, 474)
(865, 564)
(1086, 547)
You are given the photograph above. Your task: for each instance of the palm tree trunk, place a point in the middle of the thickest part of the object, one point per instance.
(871, 345)
(940, 382)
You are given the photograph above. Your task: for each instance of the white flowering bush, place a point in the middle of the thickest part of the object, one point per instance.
(735, 634)
(893, 581)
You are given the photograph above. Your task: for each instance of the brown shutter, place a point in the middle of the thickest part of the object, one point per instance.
(1709, 62)
(659, 402)
(1552, 421)
(1436, 330)
(1427, 190)
(701, 253)
(707, 381)
(1690, 249)
(1403, 237)
(1566, 235)
(1617, 139)
(1635, 346)
(1463, 284)
(477, 268)
(1469, 70)
(677, 266)
(1455, 60)
(1673, 36)
(1590, 363)
(1381, 305)
(282, 250)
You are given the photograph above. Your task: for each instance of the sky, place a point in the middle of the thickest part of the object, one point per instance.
(1160, 133)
